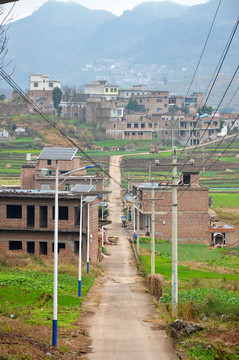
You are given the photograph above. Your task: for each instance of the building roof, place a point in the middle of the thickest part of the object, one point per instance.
(51, 153)
(23, 193)
(82, 188)
(7, 1)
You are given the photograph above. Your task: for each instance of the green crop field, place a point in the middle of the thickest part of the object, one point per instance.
(28, 294)
(208, 289)
(225, 200)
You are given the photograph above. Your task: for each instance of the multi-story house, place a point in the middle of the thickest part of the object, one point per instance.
(192, 208)
(155, 103)
(99, 111)
(132, 127)
(27, 221)
(193, 222)
(209, 127)
(27, 215)
(41, 175)
(102, 88)
(135, 90)
(43, 83)
(40, 92)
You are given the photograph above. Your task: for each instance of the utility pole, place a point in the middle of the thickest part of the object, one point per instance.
(172, 133)
(128, 182)
(55, 296)
(103, 179)
(153, 232)
(80, 245)
(150, 168)
(203, 163)
(88, 238)
(138, 248)
(174, 237)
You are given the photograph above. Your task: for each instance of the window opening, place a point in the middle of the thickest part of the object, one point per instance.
(15, 245)
(60, 246)
(186, 178)
(31, 247)
(77, 216)
(14, 211)
(63, 212)
(43, 248)
(30, 216)
(43, 216)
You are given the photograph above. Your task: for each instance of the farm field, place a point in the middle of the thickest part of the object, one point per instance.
(26, 287)
(208, 295)
(221, 170)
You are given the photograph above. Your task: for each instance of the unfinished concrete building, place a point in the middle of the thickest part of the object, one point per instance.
(27, 221)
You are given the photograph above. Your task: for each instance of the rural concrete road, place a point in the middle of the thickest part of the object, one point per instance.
(124, 317)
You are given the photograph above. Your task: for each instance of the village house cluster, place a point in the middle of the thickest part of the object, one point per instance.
(197, 222)
(159, 113)
(134, 113)
(28, 213)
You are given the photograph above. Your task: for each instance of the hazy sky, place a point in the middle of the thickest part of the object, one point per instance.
(26, 7)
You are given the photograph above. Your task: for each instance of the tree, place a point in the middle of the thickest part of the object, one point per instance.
(205, 110)
(174, 109)
(56, 97)
(185, 109)
(132, 104)
(2, 97)
(7, 17)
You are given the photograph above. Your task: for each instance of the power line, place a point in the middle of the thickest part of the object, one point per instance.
(53, 126)
(204, 47)
(210, 122)
(211, 165)
(217, 73)
(183, 166)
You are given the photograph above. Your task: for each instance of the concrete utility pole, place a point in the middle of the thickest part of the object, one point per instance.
(172, 133)
(153, 232)
(138, 248)
(80, 245)
(174, 237)
(88, 238)
(150, 169)
(128, 182)
(55, 296)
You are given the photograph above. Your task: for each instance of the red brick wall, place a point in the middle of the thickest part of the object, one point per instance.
(232, 239)
(17, 230)
(28, 177)
(192, 214)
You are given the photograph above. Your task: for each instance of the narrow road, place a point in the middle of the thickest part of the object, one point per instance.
(121, 327)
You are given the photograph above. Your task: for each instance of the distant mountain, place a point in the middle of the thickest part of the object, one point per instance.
(59, 38)
(51, 39)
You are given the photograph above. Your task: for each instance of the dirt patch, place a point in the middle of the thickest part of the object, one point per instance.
(18, 340)
(207, 267)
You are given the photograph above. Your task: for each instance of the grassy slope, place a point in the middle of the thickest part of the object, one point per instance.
(26, 288)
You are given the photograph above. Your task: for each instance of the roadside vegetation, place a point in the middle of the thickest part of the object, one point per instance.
(208, 296)
(26, 288)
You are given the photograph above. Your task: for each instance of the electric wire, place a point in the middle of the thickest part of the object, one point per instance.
(185, 163)
(204, 47)
(209, 157)
(212, 118)
(211, 84)
(225, 52)
(52, 125)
